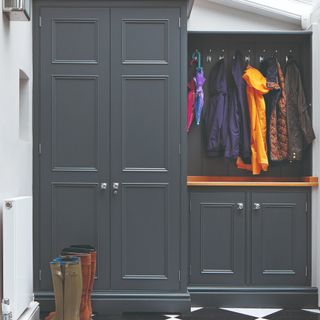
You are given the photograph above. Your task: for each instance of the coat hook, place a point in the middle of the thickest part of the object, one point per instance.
(209, 56)
(221, 55)
(261, 58)
(290, 53)
(247, 58)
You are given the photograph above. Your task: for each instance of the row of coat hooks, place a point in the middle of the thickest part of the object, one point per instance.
(221, 54)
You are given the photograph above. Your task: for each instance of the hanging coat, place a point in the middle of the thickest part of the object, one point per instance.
(256, 88)
(270, 71)
(239, 122)
(216, 115)
(300, 131)
(282, 129)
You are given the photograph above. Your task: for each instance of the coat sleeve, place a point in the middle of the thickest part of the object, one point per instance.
(303, 108)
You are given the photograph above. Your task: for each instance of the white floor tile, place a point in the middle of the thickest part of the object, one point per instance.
(312, 310)
(254, 312)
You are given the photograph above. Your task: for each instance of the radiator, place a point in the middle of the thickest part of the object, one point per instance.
(18, 254)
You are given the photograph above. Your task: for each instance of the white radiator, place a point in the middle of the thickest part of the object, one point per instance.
(18, 254)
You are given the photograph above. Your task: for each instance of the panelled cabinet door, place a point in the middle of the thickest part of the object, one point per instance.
(279, 238)
(217, 222)
(145, 137)
(74, 159)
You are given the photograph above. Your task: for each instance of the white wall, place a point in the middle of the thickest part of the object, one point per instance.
(208, 16)
(15, 153)
(315, 20)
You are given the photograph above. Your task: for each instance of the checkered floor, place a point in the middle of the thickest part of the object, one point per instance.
(223, 314)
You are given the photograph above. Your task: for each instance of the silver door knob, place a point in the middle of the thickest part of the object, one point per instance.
(256, 206)
(115, 187)
(240, 206)
(103, 186)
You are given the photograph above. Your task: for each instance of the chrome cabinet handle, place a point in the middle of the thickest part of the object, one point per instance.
(103, 186)
(115, 187)
(240, 206)
(256, 206)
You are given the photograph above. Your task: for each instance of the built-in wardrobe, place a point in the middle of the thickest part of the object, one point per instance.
(109, 97)
(250, 236)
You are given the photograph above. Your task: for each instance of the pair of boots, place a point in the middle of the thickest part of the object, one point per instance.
(87, 258)
(67, 285)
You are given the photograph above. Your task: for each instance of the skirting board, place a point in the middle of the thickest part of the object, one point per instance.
(254, 297)
(31, 313)
(108, 303)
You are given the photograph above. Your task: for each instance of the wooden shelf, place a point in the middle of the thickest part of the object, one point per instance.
(216, 181)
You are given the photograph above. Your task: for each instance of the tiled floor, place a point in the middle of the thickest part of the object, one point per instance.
(223, 314)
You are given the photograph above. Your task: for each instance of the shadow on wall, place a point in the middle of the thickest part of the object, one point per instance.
(5, 24)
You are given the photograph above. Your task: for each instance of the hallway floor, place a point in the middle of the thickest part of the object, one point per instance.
(224, 314)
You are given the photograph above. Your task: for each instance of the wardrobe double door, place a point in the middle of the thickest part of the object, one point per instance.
(109, 142)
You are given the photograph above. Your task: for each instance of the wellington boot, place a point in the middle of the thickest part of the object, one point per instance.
(85, 258)
(93, 253)
(72, 287)
(57, 279)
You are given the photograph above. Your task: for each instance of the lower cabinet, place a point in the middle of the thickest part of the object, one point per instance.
(249, 237)
(218, 246)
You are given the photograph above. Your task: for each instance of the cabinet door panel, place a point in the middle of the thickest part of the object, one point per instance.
(217, 238)
(74, 125)
(145, 137)
(279, 238)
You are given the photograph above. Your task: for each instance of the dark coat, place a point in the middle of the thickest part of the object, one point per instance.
(239, 122)
(269, 69)
(216, 114)
(300, 131)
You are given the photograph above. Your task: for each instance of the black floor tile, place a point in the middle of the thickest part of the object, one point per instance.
(214, 314)
(132, 316)
(294, 315)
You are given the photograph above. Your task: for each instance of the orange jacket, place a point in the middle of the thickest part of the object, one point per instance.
(256, 88)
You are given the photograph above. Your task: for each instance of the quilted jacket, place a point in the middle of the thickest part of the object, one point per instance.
(300, 131)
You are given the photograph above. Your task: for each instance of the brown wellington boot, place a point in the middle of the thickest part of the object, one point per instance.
(93, 273)
(93, 253)
(72, 288)
(85, 258)
(57, 279)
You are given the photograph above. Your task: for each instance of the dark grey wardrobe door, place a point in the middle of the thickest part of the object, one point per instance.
(217, 223)
(279, 238)
(145, 161)
(74, 135)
